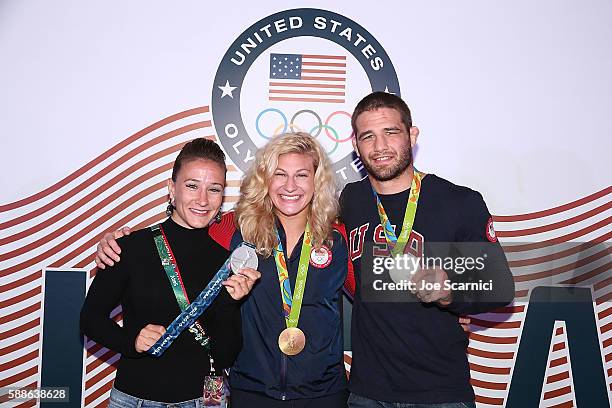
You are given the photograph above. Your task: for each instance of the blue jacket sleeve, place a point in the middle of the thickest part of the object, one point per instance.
(475, 238)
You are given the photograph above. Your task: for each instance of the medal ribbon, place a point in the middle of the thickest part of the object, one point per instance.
(397, 244)
(292, 304)
(191, 312)
(169, 264)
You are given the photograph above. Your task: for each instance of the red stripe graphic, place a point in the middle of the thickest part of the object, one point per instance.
(97, 193)
(555, 210)
(580, 247)
(102, 173)
(304, 92)
(558, 392)
(557, 377)
(324, 71)
(53, 251)
(489, 370)
(103, 156)
(492, 339)
(20, 282)
(288, 99)
(310, 85)
(565, 268)
(559, 240)
(19, 345)
(556, 225)
(331, 57)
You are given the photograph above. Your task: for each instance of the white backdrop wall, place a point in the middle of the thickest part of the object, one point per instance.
(512, 99)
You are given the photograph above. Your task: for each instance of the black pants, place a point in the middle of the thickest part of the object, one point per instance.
(248, 399)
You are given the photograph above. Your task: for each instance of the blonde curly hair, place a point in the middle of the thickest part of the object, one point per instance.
(255, 212)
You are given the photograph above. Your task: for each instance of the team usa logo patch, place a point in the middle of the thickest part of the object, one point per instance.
(299, 70)
(490, 231)
(321, 258)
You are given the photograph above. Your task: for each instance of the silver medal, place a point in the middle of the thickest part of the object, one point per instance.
(404, 269)
(243, 257)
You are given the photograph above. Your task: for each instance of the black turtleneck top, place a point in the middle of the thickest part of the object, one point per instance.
(139, 283)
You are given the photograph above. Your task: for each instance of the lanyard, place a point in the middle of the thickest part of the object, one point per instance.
(191, 312)
(397, 244)
(292, 305)
(168, 261)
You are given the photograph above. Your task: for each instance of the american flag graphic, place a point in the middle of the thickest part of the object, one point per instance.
(307, 78)
(60, 226)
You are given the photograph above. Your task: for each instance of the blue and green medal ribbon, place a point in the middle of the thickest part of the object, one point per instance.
(190, 311)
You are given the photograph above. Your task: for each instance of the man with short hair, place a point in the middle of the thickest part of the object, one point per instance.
(410, 348)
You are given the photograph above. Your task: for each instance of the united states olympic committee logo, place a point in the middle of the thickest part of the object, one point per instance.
(298, 70)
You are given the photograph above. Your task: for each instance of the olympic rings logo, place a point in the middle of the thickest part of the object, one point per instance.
(314, 132)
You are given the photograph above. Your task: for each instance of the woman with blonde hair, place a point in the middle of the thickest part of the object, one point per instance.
(260, 207)
(292, 352)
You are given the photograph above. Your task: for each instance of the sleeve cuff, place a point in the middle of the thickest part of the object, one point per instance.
(128, 348)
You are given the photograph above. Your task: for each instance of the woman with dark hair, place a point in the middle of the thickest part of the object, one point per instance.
(162, 267)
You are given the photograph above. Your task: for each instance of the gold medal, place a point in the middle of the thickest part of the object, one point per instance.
(291, 341)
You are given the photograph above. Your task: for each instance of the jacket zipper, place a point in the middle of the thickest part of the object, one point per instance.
(283, 376)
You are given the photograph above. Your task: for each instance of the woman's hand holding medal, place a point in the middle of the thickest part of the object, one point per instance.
(243, 263)
(239, 284)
